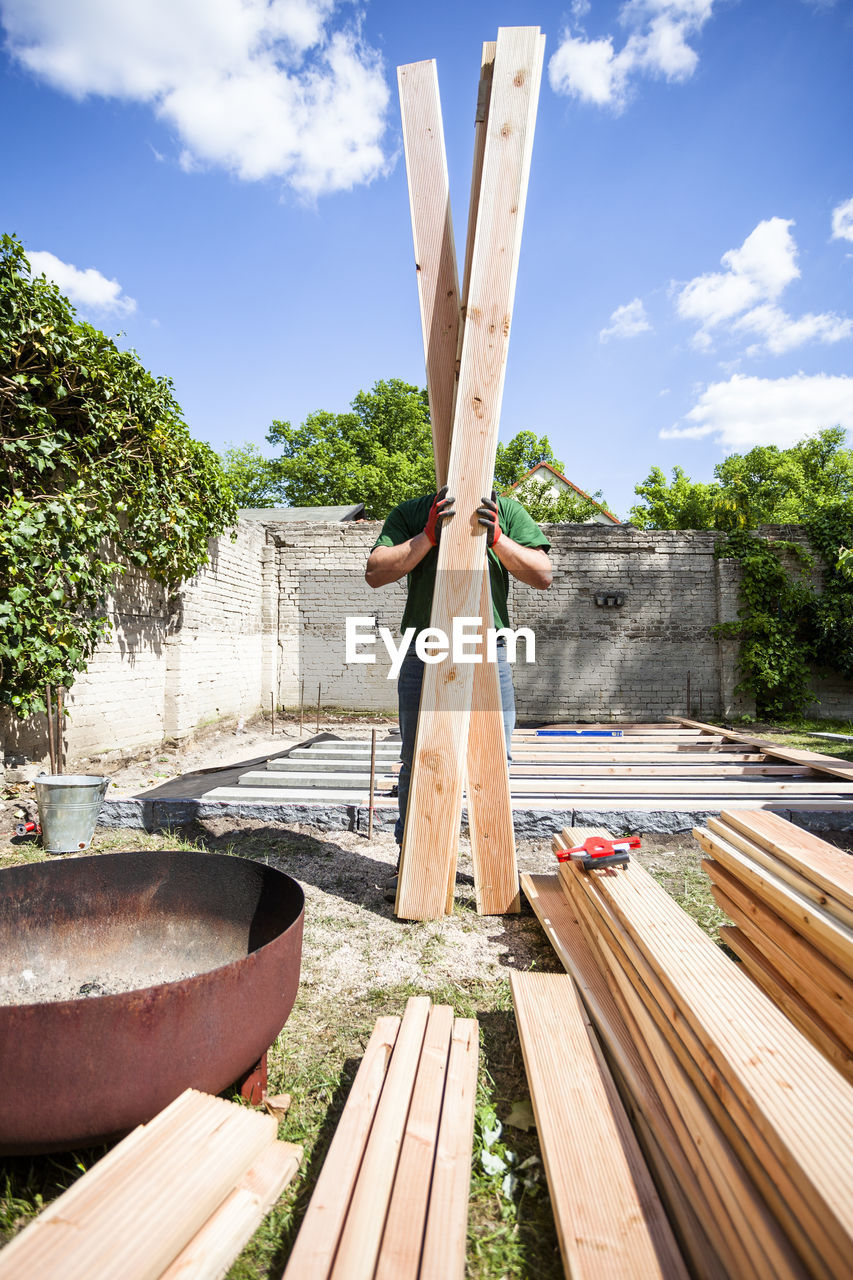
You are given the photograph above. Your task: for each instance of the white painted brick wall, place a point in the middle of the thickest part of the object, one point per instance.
(267, 615)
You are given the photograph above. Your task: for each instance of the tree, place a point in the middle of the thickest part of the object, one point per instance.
(683, 504)
(522, 454)
(98, 470)
(250, 476)
(767, 485)
(380, 453)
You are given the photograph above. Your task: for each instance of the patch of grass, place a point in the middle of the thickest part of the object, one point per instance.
(799, 731)
(20, 854)
(31, 1182)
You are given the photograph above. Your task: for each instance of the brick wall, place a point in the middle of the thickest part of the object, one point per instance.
(267, 615)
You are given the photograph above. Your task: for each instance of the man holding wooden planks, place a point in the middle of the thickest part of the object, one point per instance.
(408, 544)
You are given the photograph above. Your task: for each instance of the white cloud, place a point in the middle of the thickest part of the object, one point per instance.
(842, 220)
(756, 272)
(781, 333)
(657, 46)
(747, 411)
(262, 88)
(87, 289)
(744, 296)
(627, 321)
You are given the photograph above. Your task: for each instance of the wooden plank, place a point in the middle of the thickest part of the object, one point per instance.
(361, 1236)
(671, 1151)
(435, 252)
(827, 867)
(826, 933)
(744, 1235)
(490, 814)
(794, 1139)
(134, 1211)
(487, 786)
(687, 770)
(814, 759)
(314, 1249)
(816, 979)
(400, 1251)
(734, 787)
(446, 1232)
(641, 752)
(765, 858)
(801, 1013)
(587, 1142)
(432, 824)
(213, 1249)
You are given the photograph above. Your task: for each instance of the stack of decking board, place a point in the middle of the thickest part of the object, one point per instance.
(176, 1200)
(391, 1200)
(790, 895)
(746, 1126)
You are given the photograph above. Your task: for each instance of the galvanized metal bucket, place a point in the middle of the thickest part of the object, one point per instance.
(68, 809)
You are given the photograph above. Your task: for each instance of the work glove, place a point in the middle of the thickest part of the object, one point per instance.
(487, 516)
(441, 509)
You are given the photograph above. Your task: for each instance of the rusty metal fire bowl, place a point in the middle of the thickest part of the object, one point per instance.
(128, 977)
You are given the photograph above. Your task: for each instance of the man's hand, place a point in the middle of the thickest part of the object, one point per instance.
(487, 516)
(441, 509)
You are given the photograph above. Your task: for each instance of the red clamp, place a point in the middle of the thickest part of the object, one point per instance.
(597, 852)
(27, 828)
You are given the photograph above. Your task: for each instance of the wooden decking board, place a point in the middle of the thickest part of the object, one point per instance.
(624, 1232)
(435, 251)
(800, 1011)
(826, 867)
(391, 1200)
(188, 1159)
(686, 771)
(748, 1242)
(800, 1153)
(622, 1044)
(443, 1256)
(213, 1249)
(361, 1235)
(808, 970)
(402, 1240)
(833, 938)
(781, 870)
(432, 824)
(489, 805)
(314, 1250)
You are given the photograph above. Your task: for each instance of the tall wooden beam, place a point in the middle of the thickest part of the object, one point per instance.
(489, 804)
(435, 795)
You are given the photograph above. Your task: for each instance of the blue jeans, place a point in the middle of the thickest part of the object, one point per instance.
(409, 684)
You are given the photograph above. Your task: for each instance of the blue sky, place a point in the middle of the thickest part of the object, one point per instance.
(225, 178)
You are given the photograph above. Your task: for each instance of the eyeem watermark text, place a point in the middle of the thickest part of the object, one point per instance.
(432, 645)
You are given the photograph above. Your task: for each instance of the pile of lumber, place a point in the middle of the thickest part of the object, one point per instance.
(746, 1127)
(790, 895)
(391, 1200)
(178, 1198)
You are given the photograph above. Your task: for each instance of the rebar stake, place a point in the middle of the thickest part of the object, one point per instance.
(372, 783)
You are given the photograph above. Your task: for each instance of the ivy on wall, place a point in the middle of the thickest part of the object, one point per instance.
(787, 628)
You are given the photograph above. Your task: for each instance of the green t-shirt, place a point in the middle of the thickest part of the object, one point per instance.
(409, 519)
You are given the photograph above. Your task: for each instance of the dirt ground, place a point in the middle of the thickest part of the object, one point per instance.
(358, 962)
